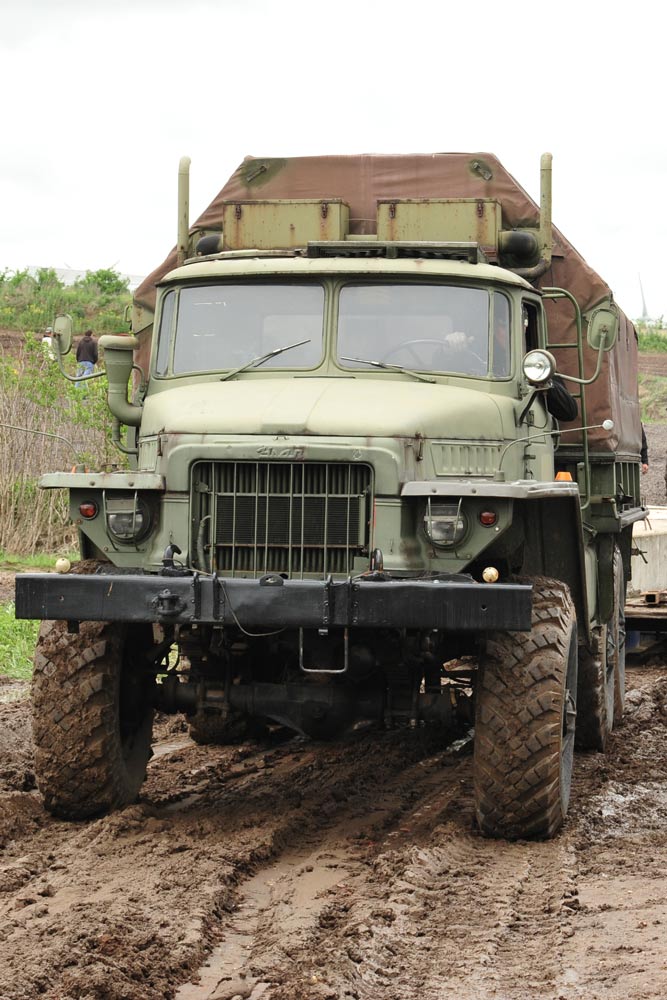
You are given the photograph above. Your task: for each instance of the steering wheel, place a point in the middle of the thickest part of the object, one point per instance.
(441, 345)
(410, 345)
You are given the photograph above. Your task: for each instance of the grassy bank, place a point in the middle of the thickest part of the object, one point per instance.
(653, 398)
(17, 644)
(18, 637)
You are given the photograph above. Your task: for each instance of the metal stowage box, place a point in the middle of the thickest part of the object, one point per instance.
(475, 220)
(262, 225)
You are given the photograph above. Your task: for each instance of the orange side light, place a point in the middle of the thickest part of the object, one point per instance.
(564, 477)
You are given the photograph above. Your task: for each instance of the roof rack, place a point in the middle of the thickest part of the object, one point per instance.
(470, 253)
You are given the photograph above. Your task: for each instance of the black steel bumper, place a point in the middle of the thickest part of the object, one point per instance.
(454, 605)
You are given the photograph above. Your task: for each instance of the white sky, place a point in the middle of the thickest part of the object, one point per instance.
(102, 99)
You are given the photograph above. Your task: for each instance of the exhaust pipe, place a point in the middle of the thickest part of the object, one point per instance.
(183, 210)
(546, 228)
(545, 234)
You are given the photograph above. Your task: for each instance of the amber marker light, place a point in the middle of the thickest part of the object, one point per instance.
(564, 477)
(488, 518)
(88, 509)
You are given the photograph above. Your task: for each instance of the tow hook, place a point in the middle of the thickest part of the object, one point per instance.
(167, 604)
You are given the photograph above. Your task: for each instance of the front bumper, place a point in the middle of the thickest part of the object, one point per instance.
(360, 602)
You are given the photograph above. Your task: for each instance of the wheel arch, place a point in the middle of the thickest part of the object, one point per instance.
(554, 548)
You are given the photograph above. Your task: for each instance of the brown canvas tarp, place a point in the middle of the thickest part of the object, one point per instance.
(362, 180)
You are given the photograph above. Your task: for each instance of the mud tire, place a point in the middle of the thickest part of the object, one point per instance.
(92, 716)
(525, 715)
(595, 694)
(616, 633)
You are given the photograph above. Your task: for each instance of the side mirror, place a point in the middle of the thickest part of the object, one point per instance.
(603, 322)
(62, 335)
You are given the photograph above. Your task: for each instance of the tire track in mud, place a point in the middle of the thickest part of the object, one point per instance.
(282, 905)
(348, 870)
(428, 908)
(125, 905)
(435, 912)
(395, 901)
(617, 948)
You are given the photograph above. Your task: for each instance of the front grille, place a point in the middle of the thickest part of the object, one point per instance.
(302, 519)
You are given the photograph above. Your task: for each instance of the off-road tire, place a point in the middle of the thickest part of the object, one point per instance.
(525, 715)
(595, 694)
(92, 716)
(616, 644)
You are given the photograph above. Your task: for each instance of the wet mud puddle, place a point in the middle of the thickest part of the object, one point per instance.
(280, 902)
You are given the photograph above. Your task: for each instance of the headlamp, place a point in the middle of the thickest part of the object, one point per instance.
(128, 517)
(538, 366)
(444, 524)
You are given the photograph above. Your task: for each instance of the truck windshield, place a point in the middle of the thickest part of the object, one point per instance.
(225, 326)
(423, 327)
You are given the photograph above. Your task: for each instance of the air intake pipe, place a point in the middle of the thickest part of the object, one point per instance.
(119, 362)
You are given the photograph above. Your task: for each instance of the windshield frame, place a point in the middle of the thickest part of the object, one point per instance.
(410, 366)
(330, 362)
(164, 353)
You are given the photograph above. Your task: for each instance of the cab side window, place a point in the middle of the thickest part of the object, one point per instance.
(530, 324)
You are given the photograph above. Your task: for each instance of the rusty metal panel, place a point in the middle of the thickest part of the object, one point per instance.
(282, 225)
(475, 220)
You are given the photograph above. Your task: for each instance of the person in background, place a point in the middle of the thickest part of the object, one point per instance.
(47, 343)
(86, 355)
(644, 452)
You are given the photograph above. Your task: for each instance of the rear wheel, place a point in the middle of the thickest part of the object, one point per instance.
(92, 715)
(525, 721)
(616, 636)
(595, 693)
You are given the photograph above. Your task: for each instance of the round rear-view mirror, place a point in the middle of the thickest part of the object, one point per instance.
(603, 323)
(62, 334)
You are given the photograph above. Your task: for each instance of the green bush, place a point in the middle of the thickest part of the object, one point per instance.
(653, 398)
(17, 644)
(652, 341)
(31, 303)
(46, 424)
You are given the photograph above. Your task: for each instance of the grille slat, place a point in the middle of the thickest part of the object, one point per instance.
(283, 517)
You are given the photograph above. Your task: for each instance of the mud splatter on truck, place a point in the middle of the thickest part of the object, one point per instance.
(383, 434)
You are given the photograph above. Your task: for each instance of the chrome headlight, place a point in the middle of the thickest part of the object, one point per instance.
(128, 517)
(444, 524)
(538, 366)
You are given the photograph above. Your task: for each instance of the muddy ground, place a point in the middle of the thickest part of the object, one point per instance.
(291, 870)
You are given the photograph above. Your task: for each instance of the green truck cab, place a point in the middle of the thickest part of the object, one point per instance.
(358, 488)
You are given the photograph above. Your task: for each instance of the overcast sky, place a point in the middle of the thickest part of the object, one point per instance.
(102, 99)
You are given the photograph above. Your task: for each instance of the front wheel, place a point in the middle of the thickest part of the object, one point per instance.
(92, 716)
(525, 721)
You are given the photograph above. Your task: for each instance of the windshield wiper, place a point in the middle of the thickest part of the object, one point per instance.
(396, 368)
(261, 359)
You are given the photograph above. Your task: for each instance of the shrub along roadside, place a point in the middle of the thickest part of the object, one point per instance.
(17, 644)
(46, 424)
(31, 302)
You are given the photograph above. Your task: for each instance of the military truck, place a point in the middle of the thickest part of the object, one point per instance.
(348, 499)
